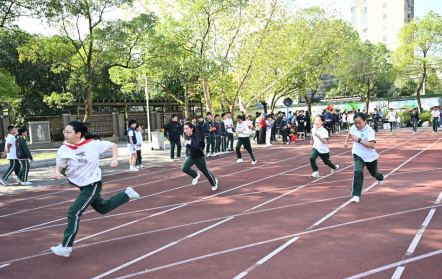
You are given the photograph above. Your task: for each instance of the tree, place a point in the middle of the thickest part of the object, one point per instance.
(364, 67)
(421, 45)
(89, 56)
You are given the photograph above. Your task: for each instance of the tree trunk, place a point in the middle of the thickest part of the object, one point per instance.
(264, 104)
(418, 91)
(88, 106)
(186, 102)
(367, 98)
(207, 95)
(232, 109)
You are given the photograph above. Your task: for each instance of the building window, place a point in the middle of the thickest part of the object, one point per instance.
(384, 16)
(385, 5)
(385, 39)
(384, 27)
(365, 10)
(353, 10)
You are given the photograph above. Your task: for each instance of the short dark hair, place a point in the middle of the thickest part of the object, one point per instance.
(200, 116)
(22, 130)
(222, 114)
(360, 115)
(208, 113)
(321, 116)
(375, 109)
(10, 128)
(239, 116)
(216, 115)
(132, 121)
(138, 125)
(173, 116)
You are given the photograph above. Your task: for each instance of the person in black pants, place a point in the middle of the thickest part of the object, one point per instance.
(415, 120)
(283, 129)
(376, 118)
(200, 127)
(175, 130)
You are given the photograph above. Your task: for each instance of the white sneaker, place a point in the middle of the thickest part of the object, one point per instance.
(4, 182)
(141, 167)
(254, 162)
(239, 161)
(434, 132)
(214, 154)
(134, 169)
(315, 174)
(355, 199)
(27, 183)
(61, 251)
(214, 188)
(381, 182)
(172, 160)
(131, 193)
(288, 143)
(137, 167)
(17, 179)
(179, 158)
(333, 171)
(195, 180)
(208, 154)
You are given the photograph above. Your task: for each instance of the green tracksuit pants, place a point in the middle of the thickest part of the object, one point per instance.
(210, 141)
(247, 146)
(392, 126)
(201, 164)
(90, 195)
(223, 144)
(24, 170)
(415, 126)
(325, 157)
(376, 126)
(217, 144)
(14, 166)
(230, 140)
(172, 149)
(358, 178)
(435, 123)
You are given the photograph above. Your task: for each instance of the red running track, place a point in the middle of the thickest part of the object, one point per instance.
(269, 220)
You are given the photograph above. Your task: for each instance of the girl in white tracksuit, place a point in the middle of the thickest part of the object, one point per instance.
(81, 154)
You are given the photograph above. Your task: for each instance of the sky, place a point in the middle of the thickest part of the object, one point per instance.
(342, 7)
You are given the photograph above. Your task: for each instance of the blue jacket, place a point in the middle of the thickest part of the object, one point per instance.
(134, 138)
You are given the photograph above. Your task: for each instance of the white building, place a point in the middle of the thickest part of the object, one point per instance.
(381, 20)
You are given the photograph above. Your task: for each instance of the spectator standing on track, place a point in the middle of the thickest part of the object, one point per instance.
(269, 130)
(376, 118)
(23, 156)
(217, 135)
(11, 155)
(139, 136)
(344, 121)
(392, 116)
(328, 121)
(173, 131)
(283, 128)
(414, 120)
(308, 123)
(350, 119)
(435, 116)
(249, 122)
(81, 154)
(263, 130)
(201, 131)
(223, 134)
(364, 154)
(257, 127)
(320, 148)
(209, 128)
(131, 145)
(229, 129)
(301, 123)
(192, 143)
(243, 139)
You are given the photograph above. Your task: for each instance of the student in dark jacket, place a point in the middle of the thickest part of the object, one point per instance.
(218, 133)
(23, 156)
(283, 129)
(376, 118)
(192, 143)
(209, 128)
(202, 134)
(415, 120)
(223, 134)
(175, 130)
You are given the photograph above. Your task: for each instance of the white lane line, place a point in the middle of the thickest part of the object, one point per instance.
(159, 250)
(4, 265)
(135, 186)
(346, 203)
(250, 245)
(188, 185)
(209, 220)
(266, 258)
(398, 273)
(386, 267)
(268, 241)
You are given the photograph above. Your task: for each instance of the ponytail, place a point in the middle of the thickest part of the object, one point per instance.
(194, 129)
(79, 127)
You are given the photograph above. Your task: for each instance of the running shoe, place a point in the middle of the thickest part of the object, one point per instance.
(195, 180)
(131, 193)
(215, 187)
(62, 251)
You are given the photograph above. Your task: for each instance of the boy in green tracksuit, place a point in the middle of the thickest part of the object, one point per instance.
(217, 135)
(14, 165)
(23, 155)
(243, 139)
(209, 128)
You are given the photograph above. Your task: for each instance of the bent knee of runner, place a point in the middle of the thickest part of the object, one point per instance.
(358, 173)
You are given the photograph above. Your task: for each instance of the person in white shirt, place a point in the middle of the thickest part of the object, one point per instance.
(392, 116)
(131, 144)
(11, 155)
(320, 148)
(243, 139)
(229, 125)
(350, 119)
(81, 153)
(139, 136)
(344, 121)
(435, 117)
(364, 154)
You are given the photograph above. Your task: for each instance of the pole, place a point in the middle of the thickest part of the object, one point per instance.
(148, 111)
(287, 116)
